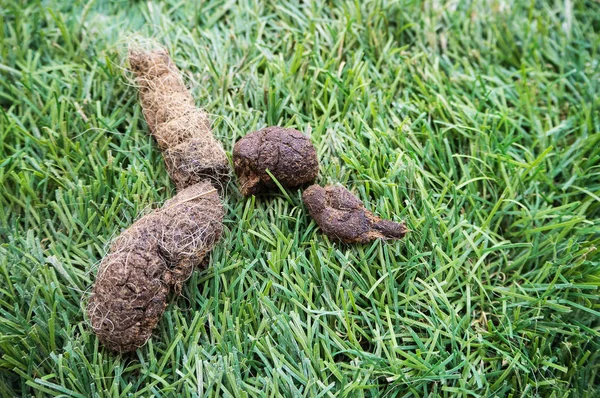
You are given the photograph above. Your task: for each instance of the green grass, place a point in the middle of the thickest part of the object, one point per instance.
(476, 122)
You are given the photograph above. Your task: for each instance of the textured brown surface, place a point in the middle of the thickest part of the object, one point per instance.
(148, 260)
(341, 215)
(286, 153)
(181, 130)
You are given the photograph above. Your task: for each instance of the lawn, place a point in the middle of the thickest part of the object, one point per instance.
(477, 123)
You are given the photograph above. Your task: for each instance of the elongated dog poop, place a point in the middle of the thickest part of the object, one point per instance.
(181, 130)
(149, 259)
(159, 251)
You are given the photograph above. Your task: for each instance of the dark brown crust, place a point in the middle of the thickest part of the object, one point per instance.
(342, 216)
(150, 259)
(287, 153)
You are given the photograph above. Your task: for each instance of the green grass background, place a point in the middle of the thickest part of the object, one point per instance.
(476, 122)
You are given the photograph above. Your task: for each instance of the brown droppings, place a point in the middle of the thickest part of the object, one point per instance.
(287, 153)
(341, 215)
(150, 259)
(181, 130)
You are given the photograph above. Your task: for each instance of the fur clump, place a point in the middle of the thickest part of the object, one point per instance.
(181, 130)
(286, 153)
(341, 215)
(149, 260)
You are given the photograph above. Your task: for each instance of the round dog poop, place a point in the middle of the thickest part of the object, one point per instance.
(341, 215)
(286, 153)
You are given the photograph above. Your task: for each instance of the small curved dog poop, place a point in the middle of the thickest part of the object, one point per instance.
(341, 215)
